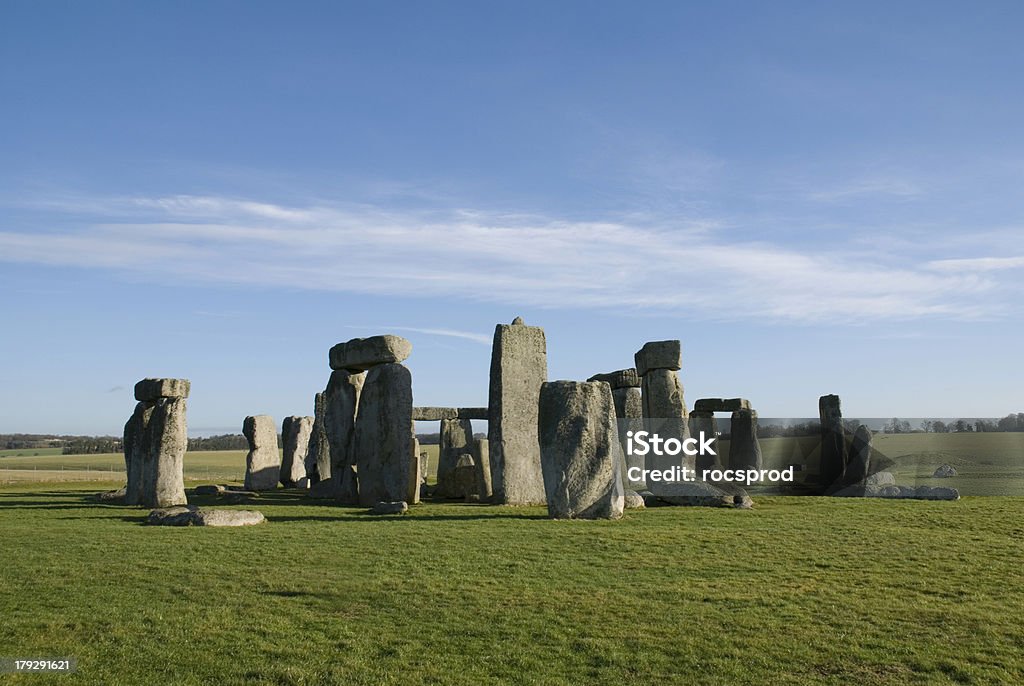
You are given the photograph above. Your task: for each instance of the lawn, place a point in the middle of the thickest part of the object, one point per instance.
(798, 590)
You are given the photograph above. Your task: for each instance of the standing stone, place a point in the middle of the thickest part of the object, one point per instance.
(135, 451)
(263, 463)
(629, 411)
(415, 476)
(424, 458)
(579, 447)
(744, 449)
(166, 439)
(465, 477)
(704, 421)
(360, 354)
(665, 414)
(833, 443)
(295, 438)
(859, 465)
(456, 438)
(384, 433)
(518, 368)
(482, 459)
(341, 406)
(318, 456)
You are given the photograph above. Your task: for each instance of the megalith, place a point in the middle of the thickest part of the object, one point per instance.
(384, 433)
(456, 438)
(295, 439)
(580, 451)
(703, 421)
(155, 441)
(263, 462)
(341, 406)
(318, 456)
(744, 448)
(664, 407)
(859, 465)
(518, 368)
(482, 459)
(833, 444)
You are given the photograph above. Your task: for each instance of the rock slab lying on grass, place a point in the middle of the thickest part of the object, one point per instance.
(945, 471)
(194, 516)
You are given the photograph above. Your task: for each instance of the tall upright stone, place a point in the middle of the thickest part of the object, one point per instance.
(341, 406)
(384, 433)
(703, 421)
(664, 406)
(833, 444)
(482, 460)
(295, 439)
(744, 448)
(859, 465)
(156, 438)
(629, 411)
(263, 462)
(518, 368)
(580, 451)
(135, 450)
(416, 474)
(318, 456)
(456, 438)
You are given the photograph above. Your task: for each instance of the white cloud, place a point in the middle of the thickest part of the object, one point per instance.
(977, 264)
(670, 267)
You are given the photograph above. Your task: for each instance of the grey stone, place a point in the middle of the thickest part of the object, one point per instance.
(341, 407)
(465, 477)
(154, 389)
(703, 421)
(295, 435)
(721, 405)
(858, 465)
(415, 476)
(944, 471)
(833, 444)
(389, 507)
(694, 494)
(580, 451)
(165, 440)
(135, 451)
(633, 501)
(880, 479)
(936, 493)
(424, 466)
(456, 438)
(209, 489)
(194, 516)
(360, 354)
(324, 490)
(518, 368)
(263, 462)
(318, 455)
(623, 378)
(629, 410)
(434, 414)
(112, 496)
(664, 410)
(659, 355)
(481, 413)
(384, 435)
(518, 321)
(482, 459)
(744, 448)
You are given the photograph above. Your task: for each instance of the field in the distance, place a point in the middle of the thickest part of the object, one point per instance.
(798, 590)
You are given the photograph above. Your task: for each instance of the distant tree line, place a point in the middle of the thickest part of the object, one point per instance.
(91, 445)
(221, 442)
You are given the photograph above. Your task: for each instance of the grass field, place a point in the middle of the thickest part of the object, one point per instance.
(798, 590)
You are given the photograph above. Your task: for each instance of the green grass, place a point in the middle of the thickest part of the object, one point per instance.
(798, 590)
(29, 452)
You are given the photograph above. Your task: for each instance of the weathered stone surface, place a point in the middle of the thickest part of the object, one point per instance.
(389, 507)
(859, 463)
(580, 451)
(384, 434)
(833, 444)
(900, 492)
(623, 378)
(481, 413)
(936, 493)
(209, 489)
(360, 354)
(318, 455)
(944, 471)
(456, 438)
(744, 449)
(135, 451)
(482, 460)
(434, 414)
(112, 496)
(664, 409)
(659, 355)
(518, 368)
(424, 466)
(295, 435)
(263, 462)
(194, 516)
(633, 501)
(880, 479)
(165, 440)
(154, 389)
(698, 494)
(465, 477)
(629, 410)
(721, 405)
(703, 421)
(341, 407)
(415, 476)
(324, 490)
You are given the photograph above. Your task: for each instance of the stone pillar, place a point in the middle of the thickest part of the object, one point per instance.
(704, 421)
(263, 462)
(318, 456)
(833, 444)
(579, 446)
(744, 449)
(464, 478)
(156, 438)
(456, 438)
(295, 438)
(859, 465)
(518, 368)
(415, 475)
(341, 407)
(664, 407)
(482, 459)
(629, 410)
(384, 433)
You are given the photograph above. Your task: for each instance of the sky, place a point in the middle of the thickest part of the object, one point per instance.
(813, 197)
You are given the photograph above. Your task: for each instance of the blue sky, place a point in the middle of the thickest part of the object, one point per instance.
(814, 197)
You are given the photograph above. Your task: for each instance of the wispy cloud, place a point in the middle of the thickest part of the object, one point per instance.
(977, 264)
(666, 266)
(858, 189)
